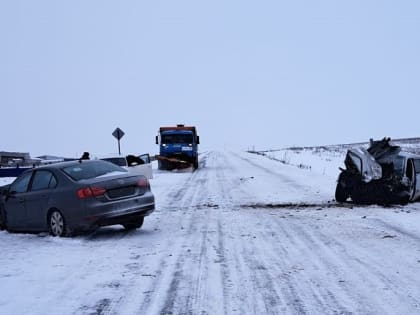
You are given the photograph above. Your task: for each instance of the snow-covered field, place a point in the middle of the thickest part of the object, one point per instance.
(244, 234)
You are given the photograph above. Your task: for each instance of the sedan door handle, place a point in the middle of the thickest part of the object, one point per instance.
(21, 200)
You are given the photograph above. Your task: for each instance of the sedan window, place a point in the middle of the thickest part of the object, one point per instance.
(43, 180)
(91, 170)
(20, 185)
(417, 165)
(120, 161)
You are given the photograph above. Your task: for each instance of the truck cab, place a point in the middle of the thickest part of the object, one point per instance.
(178, 147)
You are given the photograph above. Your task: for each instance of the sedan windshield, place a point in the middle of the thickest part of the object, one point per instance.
(91, 170)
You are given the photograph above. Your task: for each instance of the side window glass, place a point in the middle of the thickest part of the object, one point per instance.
(42, 180)
(53, 182)
(145, 158)
(21, 184)
(417, 165)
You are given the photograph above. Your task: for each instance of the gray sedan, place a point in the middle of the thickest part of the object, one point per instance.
(72, 196)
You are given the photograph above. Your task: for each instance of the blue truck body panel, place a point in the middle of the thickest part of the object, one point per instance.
(178, 147)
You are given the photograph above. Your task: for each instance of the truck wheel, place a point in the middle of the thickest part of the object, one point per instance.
(196, 163)
(134, 224)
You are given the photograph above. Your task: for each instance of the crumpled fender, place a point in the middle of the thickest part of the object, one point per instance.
(365, 164)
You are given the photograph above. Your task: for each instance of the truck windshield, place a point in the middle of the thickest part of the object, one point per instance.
(177, 138)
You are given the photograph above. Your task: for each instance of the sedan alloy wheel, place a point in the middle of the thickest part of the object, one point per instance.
(57, 224)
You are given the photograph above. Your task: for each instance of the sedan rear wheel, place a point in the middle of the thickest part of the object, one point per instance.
(2, 222)
(134, 224)
(57, 224)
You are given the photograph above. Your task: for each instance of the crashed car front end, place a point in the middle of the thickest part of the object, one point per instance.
(375, 175)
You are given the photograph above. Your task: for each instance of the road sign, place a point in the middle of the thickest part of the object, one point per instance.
(118, 133)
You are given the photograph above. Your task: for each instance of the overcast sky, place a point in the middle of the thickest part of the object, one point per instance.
(267, 74)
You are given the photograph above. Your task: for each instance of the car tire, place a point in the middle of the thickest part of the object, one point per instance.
(2, 222)
(404, 199)
(134, 224)
(341, 193)
(57, 224)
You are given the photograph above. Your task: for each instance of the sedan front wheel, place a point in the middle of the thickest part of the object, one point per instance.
(57, 224)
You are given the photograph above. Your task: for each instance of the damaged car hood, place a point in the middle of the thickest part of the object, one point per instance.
(362, 162)
(368, 162)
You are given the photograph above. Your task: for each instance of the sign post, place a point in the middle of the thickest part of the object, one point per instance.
(118, 134)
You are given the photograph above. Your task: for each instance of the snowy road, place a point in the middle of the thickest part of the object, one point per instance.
(242, 235)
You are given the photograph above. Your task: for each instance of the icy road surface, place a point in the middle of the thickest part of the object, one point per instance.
(242, 235)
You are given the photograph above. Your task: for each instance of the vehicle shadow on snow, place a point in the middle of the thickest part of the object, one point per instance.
(104, 233)
(114, 232)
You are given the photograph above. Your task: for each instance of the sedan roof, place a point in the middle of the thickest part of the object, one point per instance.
(68, 163)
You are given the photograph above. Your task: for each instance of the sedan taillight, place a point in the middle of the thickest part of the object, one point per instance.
(90, 192)
(144, 183)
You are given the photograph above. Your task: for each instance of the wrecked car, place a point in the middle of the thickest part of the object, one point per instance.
(380, 174)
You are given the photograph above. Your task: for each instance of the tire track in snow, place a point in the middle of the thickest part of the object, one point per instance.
(213, 186)
(264, 276)
(173, 277)
(286, 179)
(313, 244)
(389, 226)
(186, 286)
(260, 294)
(371, 268)
(361, 269)
(256, 257)
(167, 266)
